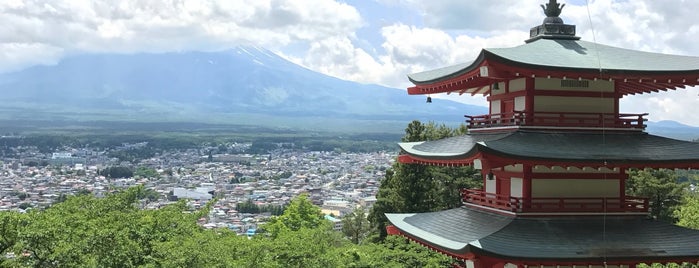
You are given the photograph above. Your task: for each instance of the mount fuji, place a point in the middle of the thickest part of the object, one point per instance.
(243, 85)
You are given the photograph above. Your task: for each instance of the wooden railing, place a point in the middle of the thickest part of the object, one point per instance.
(572, 204)
(517, 118)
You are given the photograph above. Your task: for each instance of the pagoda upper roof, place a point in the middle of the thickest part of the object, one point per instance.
(563, 58)
(466, 230)
(629, 149)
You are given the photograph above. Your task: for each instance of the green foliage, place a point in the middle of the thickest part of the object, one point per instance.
(145, 172)
(250, 207)
(669, 265)
(25, 205)
(661, 187)
(85, 231)
(100, 232)
(10, 226)
(117, 172)
(355, 225)
(132, 155)
(300, 213)
(687, 214)
(409, 188)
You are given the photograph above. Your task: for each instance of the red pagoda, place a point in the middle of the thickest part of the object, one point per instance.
(554, 153)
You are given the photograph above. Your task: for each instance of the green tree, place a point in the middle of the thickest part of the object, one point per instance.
(355, 225)
(10, 226)
(662, 189)
(146, 172)
(86, 231)
(419, 188)
(117, 172)
(24, 205)
(687, 214)
(300, 213)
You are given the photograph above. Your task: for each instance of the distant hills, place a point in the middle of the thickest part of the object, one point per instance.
(241, 86)
(673, 129)
(245, 85)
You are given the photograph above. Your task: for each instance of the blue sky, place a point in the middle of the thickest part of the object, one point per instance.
(368, 41)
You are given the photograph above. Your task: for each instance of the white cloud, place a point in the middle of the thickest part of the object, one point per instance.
(328, 33)
(16, 56)
(644, 25)
(78, 26)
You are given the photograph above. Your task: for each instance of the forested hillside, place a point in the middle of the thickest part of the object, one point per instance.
(86, 231)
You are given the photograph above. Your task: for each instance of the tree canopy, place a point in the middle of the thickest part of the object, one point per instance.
(687, 214)
(86, 231)
(355, 225)
(661, 187)
(409, 188)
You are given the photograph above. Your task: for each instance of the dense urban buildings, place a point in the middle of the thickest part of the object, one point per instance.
(337, 182)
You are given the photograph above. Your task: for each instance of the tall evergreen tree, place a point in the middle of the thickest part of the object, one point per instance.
(409, 188)
(661, 187)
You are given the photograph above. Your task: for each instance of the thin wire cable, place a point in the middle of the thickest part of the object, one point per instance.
(599, 65)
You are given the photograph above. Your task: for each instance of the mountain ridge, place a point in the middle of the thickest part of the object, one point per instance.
(244, 80)
(243, 85)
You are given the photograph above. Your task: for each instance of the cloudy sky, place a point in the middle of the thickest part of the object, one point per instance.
(368, 41)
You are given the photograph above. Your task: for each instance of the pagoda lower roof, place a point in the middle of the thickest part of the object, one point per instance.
(638, 149)
(465, 230)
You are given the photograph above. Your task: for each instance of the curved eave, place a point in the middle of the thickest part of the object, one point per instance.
(638, 150)
(506, 159)
(465, 231)
(412, 156)
(574, 61)
(409, 148)
(446, 73)
(442, 243)
(630, 82)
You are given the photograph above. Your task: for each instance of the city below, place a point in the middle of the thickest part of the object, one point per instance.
(337, 182)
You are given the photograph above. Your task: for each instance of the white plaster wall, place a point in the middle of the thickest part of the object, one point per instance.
(516, 188)
(469, 264)
(490, 185)
(518, 84)
(520, 103)
(573, 104)
(575, 188)
(510, 265)
(495, 107)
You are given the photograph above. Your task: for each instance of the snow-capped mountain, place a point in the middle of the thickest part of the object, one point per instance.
(243, 80)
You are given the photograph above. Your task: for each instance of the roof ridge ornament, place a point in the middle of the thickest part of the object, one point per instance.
(553, 8)
(553, 26)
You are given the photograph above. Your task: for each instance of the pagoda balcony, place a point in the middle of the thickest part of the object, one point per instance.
(627, 204)
(564, 120)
